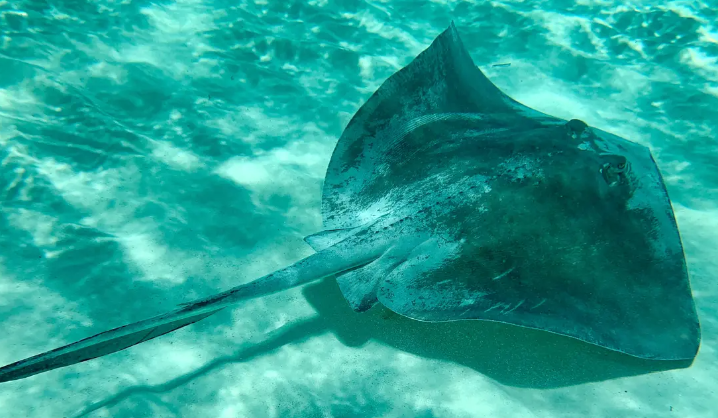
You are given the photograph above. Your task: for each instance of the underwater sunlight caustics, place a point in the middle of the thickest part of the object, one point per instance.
(447, 200)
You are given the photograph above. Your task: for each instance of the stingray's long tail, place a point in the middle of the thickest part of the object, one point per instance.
(102, 344)
(314, 267)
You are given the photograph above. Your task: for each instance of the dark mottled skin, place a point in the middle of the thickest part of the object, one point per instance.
(552, 224)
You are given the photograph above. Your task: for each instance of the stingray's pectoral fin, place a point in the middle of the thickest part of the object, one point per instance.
(102, 344)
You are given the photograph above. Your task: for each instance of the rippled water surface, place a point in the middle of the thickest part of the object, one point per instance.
(155, 152)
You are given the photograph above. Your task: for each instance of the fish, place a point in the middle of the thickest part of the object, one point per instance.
(445, 200)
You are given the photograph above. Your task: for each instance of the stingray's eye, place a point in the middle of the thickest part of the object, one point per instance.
(616, 163)
(615, 170)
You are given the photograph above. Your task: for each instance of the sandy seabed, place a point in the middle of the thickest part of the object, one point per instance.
(158, 152)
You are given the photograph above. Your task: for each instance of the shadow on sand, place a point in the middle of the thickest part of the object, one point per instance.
(511, 355)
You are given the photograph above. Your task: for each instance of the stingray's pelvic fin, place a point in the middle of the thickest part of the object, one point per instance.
(359, 286)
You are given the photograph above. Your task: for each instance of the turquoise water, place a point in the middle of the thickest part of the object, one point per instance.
(153, 153)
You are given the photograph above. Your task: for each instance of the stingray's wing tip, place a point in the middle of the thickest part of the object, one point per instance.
(451, 30)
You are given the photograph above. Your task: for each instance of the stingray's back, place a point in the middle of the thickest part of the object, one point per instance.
(548, 247)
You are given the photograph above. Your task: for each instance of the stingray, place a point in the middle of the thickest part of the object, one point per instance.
(447, 200)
